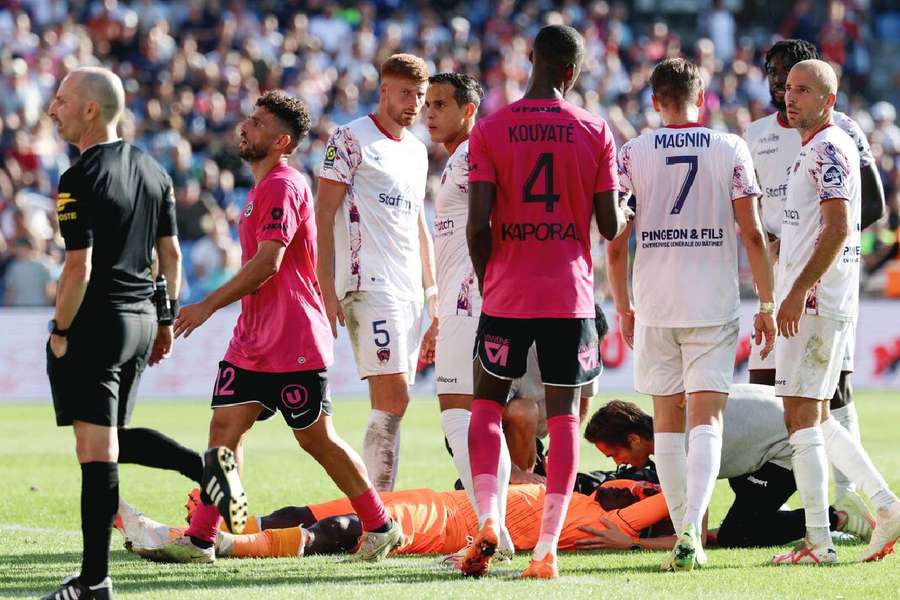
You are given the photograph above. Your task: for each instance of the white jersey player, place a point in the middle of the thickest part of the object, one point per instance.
(690, 184)
(774, 146)
(450, 106)
(818, 296)
(375, 252)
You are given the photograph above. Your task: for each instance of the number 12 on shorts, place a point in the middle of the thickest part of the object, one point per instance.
(691, 162)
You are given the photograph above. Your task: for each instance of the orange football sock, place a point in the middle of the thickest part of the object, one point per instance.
(270, 543)
(252, 525)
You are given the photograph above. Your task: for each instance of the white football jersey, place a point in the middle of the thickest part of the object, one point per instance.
(684, 180)
(827, 166)
(376, 233)
(774, 145)
(455, 274)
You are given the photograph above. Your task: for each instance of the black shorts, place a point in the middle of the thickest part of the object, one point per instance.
(96, 380)
(567, 349)
(301, 396)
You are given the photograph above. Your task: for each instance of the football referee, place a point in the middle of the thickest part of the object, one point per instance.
(115, 205)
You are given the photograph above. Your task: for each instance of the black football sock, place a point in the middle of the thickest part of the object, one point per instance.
(99, 504)
(151, 448)
(287, 517)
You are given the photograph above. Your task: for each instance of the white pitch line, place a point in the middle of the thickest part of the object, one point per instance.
(15, 527)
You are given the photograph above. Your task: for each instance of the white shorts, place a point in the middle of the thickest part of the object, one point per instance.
(672, 360)
(757, 363)
(384, 332)
(455, 353)
(808, 365)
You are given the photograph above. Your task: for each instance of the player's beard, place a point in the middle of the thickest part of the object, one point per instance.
(252, 153)
(402, 118)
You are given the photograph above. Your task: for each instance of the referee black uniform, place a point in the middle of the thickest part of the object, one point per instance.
(119, 201)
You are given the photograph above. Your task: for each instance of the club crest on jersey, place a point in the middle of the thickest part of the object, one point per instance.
(832, 177)
(248, 210)
(383, 354)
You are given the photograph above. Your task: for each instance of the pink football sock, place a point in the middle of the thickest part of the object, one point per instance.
(204, 523)
(370, 510)
(562, 465)
(485, 433)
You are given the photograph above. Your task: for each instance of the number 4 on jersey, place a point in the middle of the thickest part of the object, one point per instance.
(544, 165)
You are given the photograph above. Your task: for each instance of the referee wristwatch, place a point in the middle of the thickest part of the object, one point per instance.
(54, 329)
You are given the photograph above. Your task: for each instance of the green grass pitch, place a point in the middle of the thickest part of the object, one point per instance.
(40, 539)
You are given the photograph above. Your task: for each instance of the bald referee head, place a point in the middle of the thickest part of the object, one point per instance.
(87, 105)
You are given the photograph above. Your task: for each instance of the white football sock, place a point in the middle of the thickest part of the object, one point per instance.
(846, 416)
(671, 467)
(381, 449)
(704, 457)
(455, 425)
(811, 473)
(848, 455)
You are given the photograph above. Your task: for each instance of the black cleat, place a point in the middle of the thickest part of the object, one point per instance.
(222, 487)
(73, 589)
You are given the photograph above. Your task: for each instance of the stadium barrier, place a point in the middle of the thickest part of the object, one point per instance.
(189, 373)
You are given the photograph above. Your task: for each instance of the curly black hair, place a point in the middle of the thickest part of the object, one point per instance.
(290, 111)
(793, 50)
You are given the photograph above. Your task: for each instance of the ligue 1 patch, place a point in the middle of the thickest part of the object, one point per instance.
(248, 210)
(832, 177)
(383, 354)
(330, 155)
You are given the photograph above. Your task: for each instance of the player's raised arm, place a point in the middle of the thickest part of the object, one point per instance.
(329, 197)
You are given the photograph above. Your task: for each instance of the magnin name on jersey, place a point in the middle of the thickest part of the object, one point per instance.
(682, 139)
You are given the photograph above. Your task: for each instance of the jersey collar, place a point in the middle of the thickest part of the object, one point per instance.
(384, 131)
(781, 122)
(683, 126)
(109, 143)
(816, 132)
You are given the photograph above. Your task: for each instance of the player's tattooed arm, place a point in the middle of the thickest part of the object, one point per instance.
(329, 197)
(482, 196)
(872, 197)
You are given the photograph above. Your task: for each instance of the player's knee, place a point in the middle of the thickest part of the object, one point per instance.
(223, 432)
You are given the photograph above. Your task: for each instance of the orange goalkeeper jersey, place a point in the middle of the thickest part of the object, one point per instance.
(438, 522)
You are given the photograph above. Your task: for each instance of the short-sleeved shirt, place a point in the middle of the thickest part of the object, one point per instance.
(684, 180)
(376, 234)
(547, 159)
(774, 145)
(119, 201)
(282, 326)
(455, 274)
(826, 167)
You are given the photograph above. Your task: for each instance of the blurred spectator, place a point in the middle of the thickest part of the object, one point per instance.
(29, 279)
(192, 69)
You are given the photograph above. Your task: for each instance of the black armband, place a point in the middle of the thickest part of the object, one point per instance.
(174, 307)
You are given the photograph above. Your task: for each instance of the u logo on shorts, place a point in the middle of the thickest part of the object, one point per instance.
(294, 396)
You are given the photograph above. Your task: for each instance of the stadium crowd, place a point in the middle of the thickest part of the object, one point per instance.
(192, 69)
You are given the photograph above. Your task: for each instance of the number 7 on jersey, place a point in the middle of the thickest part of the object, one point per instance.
(691, 162)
